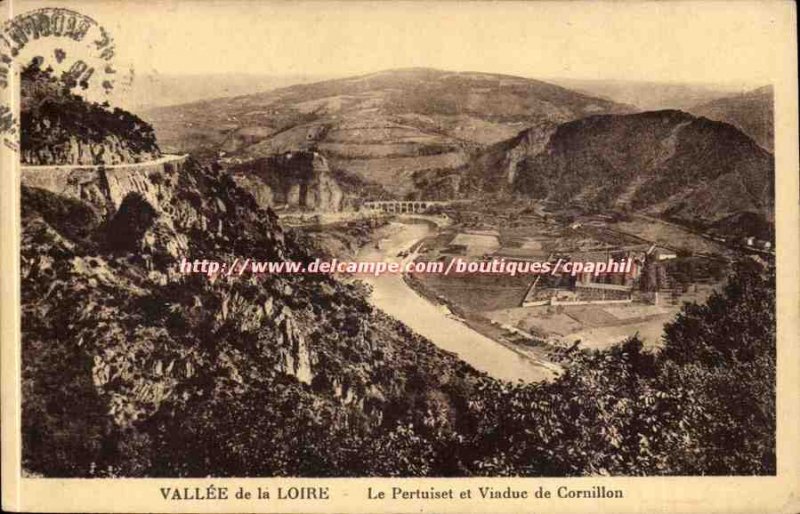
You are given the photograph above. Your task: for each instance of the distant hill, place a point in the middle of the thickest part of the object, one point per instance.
(423, 133)
(149, 91)
(650, 96)
(403, 129)
(669, 163)
(132, 367)
(752, 112)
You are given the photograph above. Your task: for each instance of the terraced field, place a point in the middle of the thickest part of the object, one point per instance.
(409, 131)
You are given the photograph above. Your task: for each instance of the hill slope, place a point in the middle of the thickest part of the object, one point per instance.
(662, 162)
(649, 96)
(58, 127)
(161, 370)
(131, 368)
(752, 112)
(399, 129)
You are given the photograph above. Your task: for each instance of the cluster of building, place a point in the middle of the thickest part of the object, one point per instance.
(621, 279)
(618, 284)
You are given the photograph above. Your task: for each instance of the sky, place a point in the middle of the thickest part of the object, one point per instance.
(687, 41)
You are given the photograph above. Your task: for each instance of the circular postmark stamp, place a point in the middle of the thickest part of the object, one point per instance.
(71, 45)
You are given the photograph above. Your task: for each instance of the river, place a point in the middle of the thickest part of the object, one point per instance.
(392, 295)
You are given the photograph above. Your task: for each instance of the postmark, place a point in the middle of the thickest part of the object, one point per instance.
(73, 45)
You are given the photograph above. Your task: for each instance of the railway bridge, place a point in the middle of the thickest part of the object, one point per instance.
(404, 206)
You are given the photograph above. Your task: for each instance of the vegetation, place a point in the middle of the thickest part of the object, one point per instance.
(751, 111)
(704, 405)
(130, 368)
(693, 170)
(53, 118)
(382, 401)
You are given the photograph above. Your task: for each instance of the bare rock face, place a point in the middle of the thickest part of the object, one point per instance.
(296, 355)
(298, 180)
(495, 169)
(112, 190)
(142, 350)
(75, 151)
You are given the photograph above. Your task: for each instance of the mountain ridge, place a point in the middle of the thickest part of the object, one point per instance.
(132, 367)
(670, 163)
(751, 111)
(392, 129)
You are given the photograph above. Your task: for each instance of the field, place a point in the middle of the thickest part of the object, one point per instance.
(497, 298)
(649, 332)
(478, 293)
(668, 234)
(476, 244)
(595, 326)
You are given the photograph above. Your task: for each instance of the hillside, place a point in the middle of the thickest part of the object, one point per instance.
(668, 163)
(404, 130)
(163, 89)
(58, 127)
(649, 96)
(131, 368)
(136, 350)
(752, 112)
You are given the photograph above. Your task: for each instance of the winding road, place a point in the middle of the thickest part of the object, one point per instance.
(165, 158)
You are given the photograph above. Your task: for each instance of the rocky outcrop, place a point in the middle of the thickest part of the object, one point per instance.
(495, 169)
(296, 180)
(58, 127)
(75, 151)
(142, 350)
(106, 187)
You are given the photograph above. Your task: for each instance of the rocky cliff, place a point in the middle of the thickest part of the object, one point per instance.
(495, 169)
(296, 180)
(105, 187)
(662, 162)
(75, 151)
(113, 330)
(132, 367)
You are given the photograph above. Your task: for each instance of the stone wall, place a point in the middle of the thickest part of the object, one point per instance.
(106, 186)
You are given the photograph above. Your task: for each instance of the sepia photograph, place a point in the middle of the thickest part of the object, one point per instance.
(396, 239)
